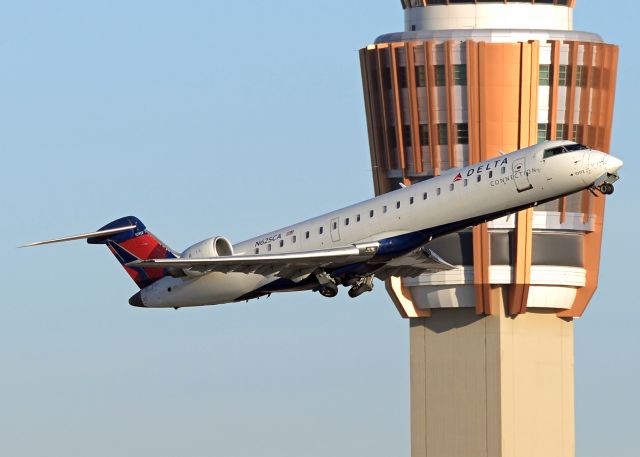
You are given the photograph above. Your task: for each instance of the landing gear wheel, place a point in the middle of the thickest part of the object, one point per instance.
(355, 292)
(329, 290)
(606, 188)
(365, 285)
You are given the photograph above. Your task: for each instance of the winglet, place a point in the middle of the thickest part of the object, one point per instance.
(435, 257)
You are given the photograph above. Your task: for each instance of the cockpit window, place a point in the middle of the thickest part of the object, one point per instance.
(562, 149)
(575, 147)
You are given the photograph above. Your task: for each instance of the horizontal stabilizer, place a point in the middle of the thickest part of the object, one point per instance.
(128, 240)
(82, 236)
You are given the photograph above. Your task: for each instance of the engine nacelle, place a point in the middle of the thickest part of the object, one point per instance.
(217, 246)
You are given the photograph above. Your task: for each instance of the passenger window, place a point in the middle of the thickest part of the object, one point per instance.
(320, 230)
(451, 186)
(293, 239)
(335, 225)
(306, 235)
(491, 174)
(269, 247)
(503, 170)
(466, 182)
(438, 191)
(257, 250)
(424, 196)
(281, 243)
(346, 221)
(358, 218)
(411, 201)
(371, 213)
(384, 209)
(479, 178)
(397, 205)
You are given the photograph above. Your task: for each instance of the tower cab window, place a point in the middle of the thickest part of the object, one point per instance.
(562, 149)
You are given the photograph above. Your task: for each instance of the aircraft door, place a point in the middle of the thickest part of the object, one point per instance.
(520, 175)
(334, 228)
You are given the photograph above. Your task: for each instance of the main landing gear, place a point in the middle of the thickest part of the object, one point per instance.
(329, 286)
(605, 188)
(363, 285)
(329, 290)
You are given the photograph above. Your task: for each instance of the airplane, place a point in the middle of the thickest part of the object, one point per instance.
(381, 237)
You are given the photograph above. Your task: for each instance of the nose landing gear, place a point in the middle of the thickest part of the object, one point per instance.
(605, 188)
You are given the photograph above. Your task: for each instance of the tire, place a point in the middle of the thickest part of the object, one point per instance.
(329, 290)
(357, 291)
(606, 188)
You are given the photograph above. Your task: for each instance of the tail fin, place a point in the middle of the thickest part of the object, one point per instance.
(136, 243)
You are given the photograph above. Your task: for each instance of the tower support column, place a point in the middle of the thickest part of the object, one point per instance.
(494, 386)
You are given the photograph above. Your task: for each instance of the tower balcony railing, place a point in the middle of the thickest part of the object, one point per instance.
(422, 3)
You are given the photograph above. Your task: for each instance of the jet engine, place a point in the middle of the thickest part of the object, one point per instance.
(217, 246)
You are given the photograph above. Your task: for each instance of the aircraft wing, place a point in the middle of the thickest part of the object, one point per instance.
(297, 265)
(287, 265)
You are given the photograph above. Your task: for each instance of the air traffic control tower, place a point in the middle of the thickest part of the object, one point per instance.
(491, 342)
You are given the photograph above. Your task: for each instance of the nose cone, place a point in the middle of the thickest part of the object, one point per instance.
(612, 164)
(136, 300)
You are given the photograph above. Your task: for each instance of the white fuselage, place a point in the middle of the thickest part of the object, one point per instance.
(441, 204)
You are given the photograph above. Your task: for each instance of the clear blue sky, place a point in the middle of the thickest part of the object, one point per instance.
(231, 118)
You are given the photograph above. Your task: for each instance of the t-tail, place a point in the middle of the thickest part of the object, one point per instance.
(135, 243)
(129, 240)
